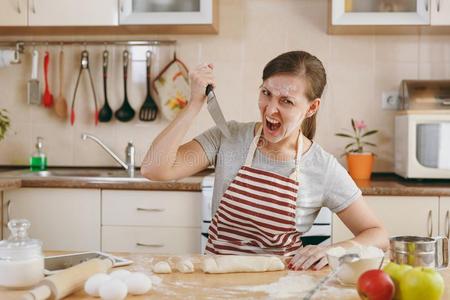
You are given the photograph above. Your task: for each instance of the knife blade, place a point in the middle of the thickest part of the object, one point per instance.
(215, 111)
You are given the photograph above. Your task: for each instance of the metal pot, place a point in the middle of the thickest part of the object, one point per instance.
(419, 251)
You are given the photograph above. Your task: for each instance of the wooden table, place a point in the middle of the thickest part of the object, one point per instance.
(268, 285)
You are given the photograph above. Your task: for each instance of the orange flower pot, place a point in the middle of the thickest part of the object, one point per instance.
(360, 165)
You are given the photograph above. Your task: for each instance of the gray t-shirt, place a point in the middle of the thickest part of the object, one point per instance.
(323, 181)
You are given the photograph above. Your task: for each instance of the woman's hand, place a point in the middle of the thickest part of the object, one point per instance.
(309, 256)
(200, 78)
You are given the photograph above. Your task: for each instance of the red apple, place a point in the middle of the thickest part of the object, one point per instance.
(375, 285)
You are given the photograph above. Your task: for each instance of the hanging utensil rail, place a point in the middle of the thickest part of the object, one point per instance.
(20, 45)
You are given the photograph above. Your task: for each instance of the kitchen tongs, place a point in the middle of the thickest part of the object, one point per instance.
(84, 65)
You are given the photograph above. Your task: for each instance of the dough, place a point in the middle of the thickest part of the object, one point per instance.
(162, 267)
(239, 263)
(185, 266)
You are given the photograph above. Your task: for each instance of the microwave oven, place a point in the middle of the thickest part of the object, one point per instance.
(422, 144)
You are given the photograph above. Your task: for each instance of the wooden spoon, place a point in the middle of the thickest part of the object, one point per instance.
(61, 102)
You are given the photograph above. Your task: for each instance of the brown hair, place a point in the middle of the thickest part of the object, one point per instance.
(310, 68)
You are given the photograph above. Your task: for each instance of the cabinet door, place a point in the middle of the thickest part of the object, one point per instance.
(444, 216)
(166, 12)
(63, 219)
(73, 13)
(401, 215)
(440, 12)
(375, 12)
(13, 13)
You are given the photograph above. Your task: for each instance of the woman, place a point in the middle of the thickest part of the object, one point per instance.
(271, 178)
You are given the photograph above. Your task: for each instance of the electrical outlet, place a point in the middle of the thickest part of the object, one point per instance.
(390, 100)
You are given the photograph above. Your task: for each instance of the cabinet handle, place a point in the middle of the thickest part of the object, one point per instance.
(426, 5)
(33, 6)
(430, 223)
(150, 209)
(121, 6)
(19, 10)
(438, 7)
(149, 245)
(447, 224)
(8, 212)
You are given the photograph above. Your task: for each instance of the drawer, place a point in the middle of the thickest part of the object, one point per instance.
(151, 208)
(158, 240)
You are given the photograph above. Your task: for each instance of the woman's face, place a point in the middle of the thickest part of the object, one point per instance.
(283, 106)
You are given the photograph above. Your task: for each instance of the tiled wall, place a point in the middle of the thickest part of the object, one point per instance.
(251, 33)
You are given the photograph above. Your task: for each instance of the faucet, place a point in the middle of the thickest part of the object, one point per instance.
(129, 153)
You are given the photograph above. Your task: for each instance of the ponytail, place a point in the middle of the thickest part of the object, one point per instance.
(309, 127)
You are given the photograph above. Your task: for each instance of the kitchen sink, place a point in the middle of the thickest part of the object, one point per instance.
(78, 174)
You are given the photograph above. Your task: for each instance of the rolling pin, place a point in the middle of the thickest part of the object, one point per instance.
(67, 281)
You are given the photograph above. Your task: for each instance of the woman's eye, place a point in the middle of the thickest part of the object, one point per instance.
(287, 101)
(265, 92)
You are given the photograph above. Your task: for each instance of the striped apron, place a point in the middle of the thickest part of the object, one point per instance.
(256, 214)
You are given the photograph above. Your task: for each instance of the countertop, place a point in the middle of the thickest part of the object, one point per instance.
(381, 184)
(267, 285)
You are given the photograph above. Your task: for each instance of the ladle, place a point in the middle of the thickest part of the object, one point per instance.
(125, 112)
(105, 114)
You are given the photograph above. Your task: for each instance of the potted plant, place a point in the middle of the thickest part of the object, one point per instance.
(4, 123)
(359, 162)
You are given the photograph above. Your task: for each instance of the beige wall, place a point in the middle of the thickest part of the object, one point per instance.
(251, 32)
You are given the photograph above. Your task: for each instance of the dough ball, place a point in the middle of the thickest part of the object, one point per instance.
(240, 263)
(92, 285)
(138, 283)
(120, 274)
(162, 267)
(185, 266)
(113, 289)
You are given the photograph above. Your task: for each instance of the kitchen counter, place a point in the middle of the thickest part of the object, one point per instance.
(268, 285)
(381, 184)
(10, 183)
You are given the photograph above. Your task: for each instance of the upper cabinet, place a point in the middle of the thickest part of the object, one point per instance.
(72, 13)
(14, 13)
(50, 17)
(166, 12)
(440, 12)
(387, 15)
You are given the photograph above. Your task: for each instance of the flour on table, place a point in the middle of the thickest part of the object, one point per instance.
(295, 285)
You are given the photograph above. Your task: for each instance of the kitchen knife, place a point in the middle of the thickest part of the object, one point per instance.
(215, 111)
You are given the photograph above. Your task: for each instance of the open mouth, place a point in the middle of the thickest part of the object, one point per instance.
(272, 124)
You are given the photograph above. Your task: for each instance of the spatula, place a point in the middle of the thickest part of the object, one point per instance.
(61, 102)
(47, 99)
(34, 96)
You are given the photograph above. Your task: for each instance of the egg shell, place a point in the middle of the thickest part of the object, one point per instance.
(113, 289)
(120, 274)
(138, 283)
(92, 285)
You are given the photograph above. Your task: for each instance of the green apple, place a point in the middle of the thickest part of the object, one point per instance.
(422, 283)
(396, 272)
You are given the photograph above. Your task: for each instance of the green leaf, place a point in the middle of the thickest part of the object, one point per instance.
(369, 144)
(369, 133)
(348, 145)
(344, 135)
(353, 125)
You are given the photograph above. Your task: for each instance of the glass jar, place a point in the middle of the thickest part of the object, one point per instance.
(21, 259)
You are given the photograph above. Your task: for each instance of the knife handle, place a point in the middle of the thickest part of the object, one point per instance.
(209, 88)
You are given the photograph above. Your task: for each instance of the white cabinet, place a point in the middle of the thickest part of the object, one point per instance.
(444, 216)
(165, 12)
(73, 13)
(63, 219)
(401, 215)
(151, 221)
(440, 12)
(393, 12)
(13, 13)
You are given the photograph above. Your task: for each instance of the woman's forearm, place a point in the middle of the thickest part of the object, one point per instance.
(162, 154)
(376, 236)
